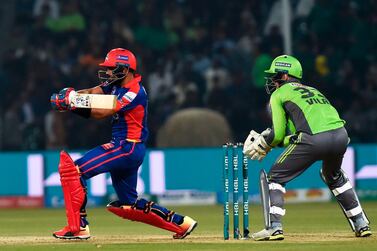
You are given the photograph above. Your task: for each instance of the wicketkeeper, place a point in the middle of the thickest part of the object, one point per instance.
(303, 121)
(121, 157)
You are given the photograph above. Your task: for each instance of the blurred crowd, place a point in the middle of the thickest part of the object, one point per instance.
(190, 53)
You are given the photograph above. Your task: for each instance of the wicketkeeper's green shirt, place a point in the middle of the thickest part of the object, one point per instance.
(300, 108)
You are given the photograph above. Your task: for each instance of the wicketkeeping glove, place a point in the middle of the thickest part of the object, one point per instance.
(247, 145)
(266, 132)
(256, 146)
(259, 149)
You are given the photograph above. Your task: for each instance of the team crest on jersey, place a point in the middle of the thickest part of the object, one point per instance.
(113, 90)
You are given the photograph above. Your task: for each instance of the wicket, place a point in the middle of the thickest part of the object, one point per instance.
(234, 152)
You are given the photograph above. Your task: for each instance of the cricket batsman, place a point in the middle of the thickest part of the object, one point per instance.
(305, 122)
(121, 157)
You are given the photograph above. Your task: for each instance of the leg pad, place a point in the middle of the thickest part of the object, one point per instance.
(272, 197)
(146, 215)
(346, 197)
(265, 198)
(74, 192)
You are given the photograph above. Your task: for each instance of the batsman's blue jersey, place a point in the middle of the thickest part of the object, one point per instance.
(123, 155)
(130, 121)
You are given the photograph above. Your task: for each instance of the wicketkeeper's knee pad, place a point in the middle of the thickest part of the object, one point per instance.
(272, 199)
(334, 179)
(276, 192)
(346, 196)
(73, 190)
(147, 212)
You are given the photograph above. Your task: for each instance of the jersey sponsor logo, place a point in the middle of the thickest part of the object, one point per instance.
(129, 96)
(283, 64)
(122, 57)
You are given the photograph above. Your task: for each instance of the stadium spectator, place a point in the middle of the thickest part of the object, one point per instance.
(189, 53)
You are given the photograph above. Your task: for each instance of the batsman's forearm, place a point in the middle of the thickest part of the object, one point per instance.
(94, 90)
(84, 91)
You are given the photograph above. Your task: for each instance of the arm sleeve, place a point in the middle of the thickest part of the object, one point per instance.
(279, 121)
(126, 101)
(286, 141)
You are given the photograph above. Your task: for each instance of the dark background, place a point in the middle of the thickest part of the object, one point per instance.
(190, 54)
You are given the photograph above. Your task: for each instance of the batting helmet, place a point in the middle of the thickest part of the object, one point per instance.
(120, 57)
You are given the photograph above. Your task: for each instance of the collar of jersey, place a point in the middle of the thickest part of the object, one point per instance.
(136, 80)
(292, 81)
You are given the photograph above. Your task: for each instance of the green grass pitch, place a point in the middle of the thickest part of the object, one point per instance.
(314, 226)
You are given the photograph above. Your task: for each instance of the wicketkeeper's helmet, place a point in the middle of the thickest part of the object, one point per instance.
(286, 64)
(283, 64)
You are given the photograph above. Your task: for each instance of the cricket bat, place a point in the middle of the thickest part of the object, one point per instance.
(100, 101)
